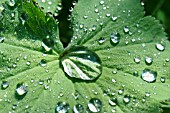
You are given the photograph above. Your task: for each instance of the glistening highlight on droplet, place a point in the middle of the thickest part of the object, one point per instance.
(81, 63)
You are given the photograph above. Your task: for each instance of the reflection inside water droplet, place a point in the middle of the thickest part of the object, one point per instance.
(149, 75)
(62, 107)
(78, 108)
(82, 63)
(95, 105)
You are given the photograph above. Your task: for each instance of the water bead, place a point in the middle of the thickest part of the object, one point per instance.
(149, 75)
(81, 63)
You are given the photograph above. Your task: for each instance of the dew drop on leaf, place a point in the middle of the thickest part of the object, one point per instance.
(149, 75)
(21, 89)
(113, 101)
(14, 107)
(137, 60)
(120, 91)
(78, 108)
(162, 79)
(95, 105)
(114, 38)
(126, 99)
(101, 40)
(126, 29)
(160, 47)
(43, 63)
(47, 44)
(23, 18)
(62, 107)
(11, 3)
(2, 39)
(4, 84)
(28, 63)
(148, 60)
(114, 18)
(82, 63)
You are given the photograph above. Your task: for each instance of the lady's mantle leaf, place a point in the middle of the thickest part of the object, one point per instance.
(133, 49)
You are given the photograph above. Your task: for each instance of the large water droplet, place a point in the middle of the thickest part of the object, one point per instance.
(4, 84)
(21, 89)
(115, 38)
(160, 47)
(62, 107)
(82, 63)
(95, 105)
(149, 75)
(78, 108)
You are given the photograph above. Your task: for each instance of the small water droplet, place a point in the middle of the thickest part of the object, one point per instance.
(23, 18)
(135, 74)
(147, 94)
(126, 99)
(28, 63)
(94, 27)
(101, 40)
(62, 107)
(162, 79)
(47, 44)
(114, 18)
(126, 29)
(148, 60)
(43, 63)
(82, 63)
(21, 89)
(4, 84)
(137, 60)
(85, 17)
(114, 38)
(14, 107)
(113, 101)
(11, 3)
(2, 39)
(149, 75)
(160, 47)
(101, 2)
(78, 108)
(120, 91)
(95, 105)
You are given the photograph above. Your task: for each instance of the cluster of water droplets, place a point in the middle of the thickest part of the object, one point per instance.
(94, 106)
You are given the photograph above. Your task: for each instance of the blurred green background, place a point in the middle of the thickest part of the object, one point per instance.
(160, 9)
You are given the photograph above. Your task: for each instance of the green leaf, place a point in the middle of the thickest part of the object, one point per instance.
(119, 88)
(52, 6)
(138, 38)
